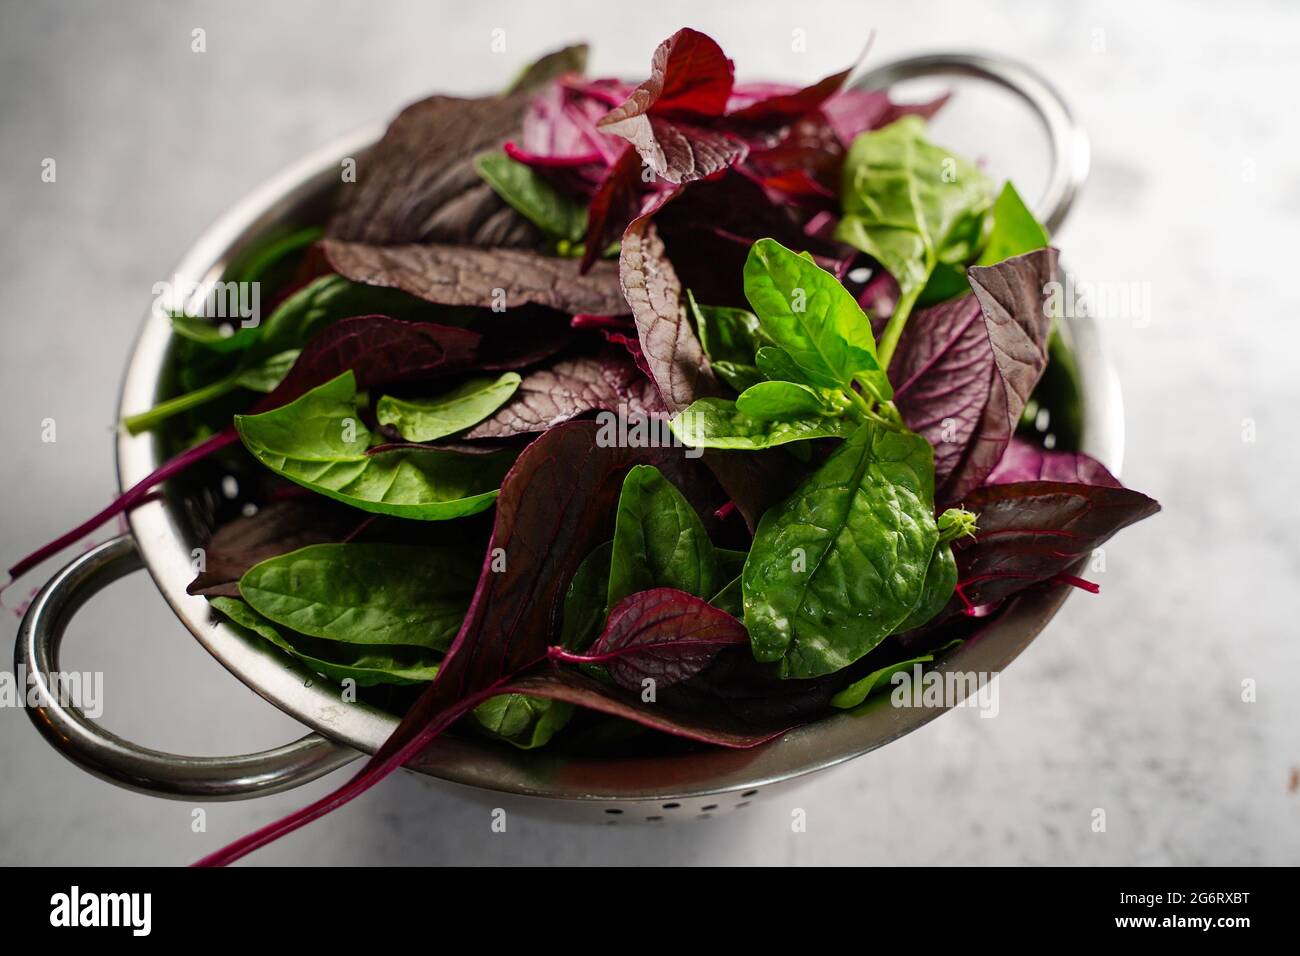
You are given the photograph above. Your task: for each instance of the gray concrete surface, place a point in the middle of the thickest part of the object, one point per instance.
(1130, 702)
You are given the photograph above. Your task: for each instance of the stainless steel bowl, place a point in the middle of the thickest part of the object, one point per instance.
(678, 786)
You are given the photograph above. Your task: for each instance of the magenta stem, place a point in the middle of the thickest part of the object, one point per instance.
(133, 496)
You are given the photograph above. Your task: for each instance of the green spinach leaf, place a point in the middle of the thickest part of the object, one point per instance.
(586, 599)
(1015, 230)
(841, 562)
(466, 405)
(878, 680)
(727, 334)
(659, 541)
(780, 401)
(806, 311)
(366, 593)
(555, 213)
(718, 423)
(910, 205)
(522, 720)
(320, 442)
(738, 376)
(368, 665)
(941, 574)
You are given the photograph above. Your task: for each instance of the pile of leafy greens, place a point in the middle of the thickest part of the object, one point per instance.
(456, 490)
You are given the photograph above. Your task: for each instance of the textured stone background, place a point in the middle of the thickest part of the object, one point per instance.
(1130, 701)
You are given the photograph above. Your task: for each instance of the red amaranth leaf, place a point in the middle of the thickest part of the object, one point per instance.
(569, 388)
(964, 369)
(787, 106)
(690, 76)
(663, 635)
(418, 184)
(615, 204)
(667, 118)
(943, 373)
(653, 292)
(1013, 296)
(1027, 461)
(520, 338)
(1033, 531)
(722, 726)
(487, 278)
(855, 111)
(380, 351)
(708, 228)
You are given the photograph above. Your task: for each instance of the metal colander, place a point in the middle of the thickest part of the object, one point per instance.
(700, 783)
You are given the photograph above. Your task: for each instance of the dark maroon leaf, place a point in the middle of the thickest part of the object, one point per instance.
(419, 184)
(615, 204)
(630, 342)
(719, 727)
(1027, 461)
(964, 369)
(556, 504)
(1013, 296)
(559, 130)
(568, 388)
(1029, 532)
(682, 152)
(666, 118)
(663, 635)
(786, 107)
(803, 165)
(380, 350)
(653, 292)
(855, 111)
(461, 275)
(278, 528)
(690, 76)
(943, 372)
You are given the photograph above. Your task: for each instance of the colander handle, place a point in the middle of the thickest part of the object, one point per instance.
(1068, 142)
(119, 761)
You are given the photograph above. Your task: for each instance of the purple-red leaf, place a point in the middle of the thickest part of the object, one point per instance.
(615, 204)
(708, 228)
(519, 338)
(487, 278)
(690, 76)
(964, 369)
(1032, 531)
(418, 184)
(1027, 461)
(663, 635)
(943, 375)
(653, 292)
(720, 726)
(380, 351)
(666, 118)
(569, 388)
(1014, 298)
(856, 111)
(787, 106)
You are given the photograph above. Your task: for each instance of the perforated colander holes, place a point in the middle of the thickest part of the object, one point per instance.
(705, 811)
